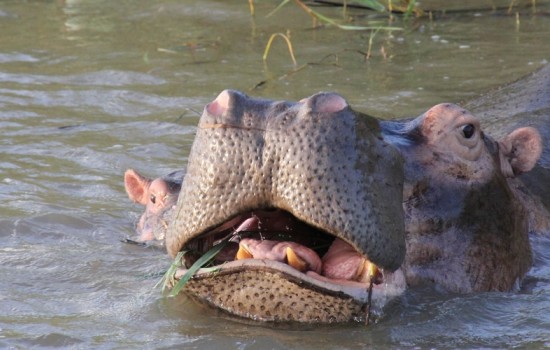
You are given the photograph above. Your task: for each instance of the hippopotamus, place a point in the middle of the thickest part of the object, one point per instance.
(309, 210)
(159, 197)
(466, 227)
(476, 186)
(525, 102)
(316, 164)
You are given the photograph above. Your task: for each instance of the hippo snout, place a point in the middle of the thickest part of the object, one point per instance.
(317, 164)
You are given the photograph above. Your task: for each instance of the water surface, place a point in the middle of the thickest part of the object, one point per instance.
(89, 89)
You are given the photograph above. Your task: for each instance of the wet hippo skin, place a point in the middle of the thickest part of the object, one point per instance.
(159, 197)
(466, 227)
(317, 163)
(466, 213)
(525, 102)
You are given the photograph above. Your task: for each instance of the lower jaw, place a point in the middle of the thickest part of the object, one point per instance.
(271, 291)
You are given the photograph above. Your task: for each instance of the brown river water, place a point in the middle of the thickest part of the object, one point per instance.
(90, 88)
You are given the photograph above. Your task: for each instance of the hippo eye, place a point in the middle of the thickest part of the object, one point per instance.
(153, 198)
(468, 130)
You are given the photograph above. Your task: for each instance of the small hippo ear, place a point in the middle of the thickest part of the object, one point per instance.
(520, 150)
(326, 102)
(137, 186)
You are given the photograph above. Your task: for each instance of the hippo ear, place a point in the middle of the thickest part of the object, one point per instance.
(136, 186)
(520, 151)
(326, 102)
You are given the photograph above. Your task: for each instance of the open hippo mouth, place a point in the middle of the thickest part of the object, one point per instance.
(306, 199)
(267, 252)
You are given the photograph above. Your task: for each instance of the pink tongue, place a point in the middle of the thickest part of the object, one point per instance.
(340, 262)
(250, 224)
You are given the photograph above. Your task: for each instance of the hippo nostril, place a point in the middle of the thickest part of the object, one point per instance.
(220, 105)
(326, 103)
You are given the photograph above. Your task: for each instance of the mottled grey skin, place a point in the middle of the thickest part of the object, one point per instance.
(319, 163)
(466, 227)
(525, 102)
(466, 217)
(316, 159)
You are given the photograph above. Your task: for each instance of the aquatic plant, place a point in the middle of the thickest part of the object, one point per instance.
(367, 4)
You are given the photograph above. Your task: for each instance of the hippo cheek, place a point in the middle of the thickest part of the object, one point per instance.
(500, 253)
(306, 174)
(474, 240)
(152, 227)
(467, 230)
(147, 226)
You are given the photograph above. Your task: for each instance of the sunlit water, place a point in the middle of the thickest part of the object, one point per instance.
(88, 89)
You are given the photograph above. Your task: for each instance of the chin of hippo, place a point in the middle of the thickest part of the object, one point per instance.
(312, 198)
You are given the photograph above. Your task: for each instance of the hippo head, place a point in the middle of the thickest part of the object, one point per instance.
(310, 196)
(466, 229)
(159, 197)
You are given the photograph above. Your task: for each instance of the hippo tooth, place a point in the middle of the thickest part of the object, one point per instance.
(243, 253)
(366, 271)
(295, 261)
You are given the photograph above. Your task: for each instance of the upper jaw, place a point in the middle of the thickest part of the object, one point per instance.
(327, 168)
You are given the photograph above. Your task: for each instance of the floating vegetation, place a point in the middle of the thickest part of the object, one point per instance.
(318, 17)
(169, 278)
(322, 61)
(288, 43)
(406, 8)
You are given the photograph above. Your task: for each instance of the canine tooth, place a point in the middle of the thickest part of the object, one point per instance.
(243, 253)
(295, 261)
(374, 271)
(360, 273)
(366, 271)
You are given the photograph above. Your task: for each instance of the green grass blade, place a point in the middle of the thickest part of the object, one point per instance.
(283, 3)
(322, 18)
(410, 8)
(202, 261)
(349, 27)
(168, 277)
(372, 4)
(341, 26)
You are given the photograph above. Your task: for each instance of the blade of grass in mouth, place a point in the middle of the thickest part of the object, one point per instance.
(169, 277)
(206, 258)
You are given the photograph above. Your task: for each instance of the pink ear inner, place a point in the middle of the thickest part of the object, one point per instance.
(136, 186)
(524, 147)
